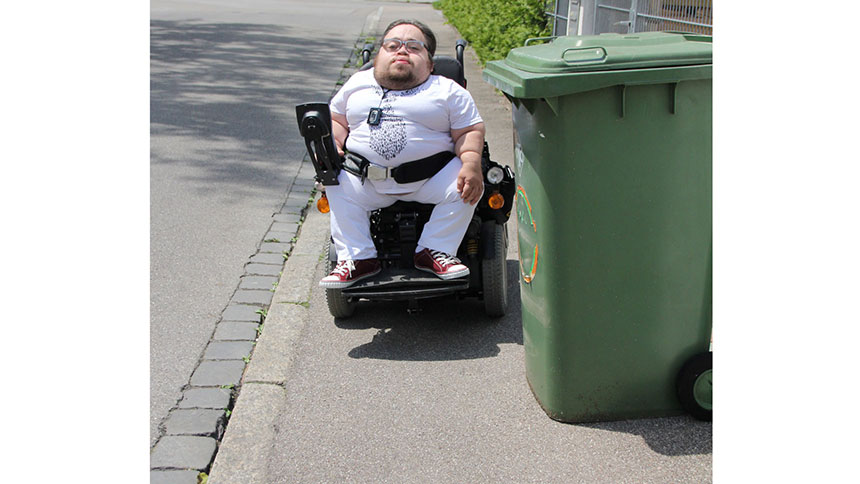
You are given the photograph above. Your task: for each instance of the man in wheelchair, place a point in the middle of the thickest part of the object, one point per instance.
(399, 133)
(398, 116)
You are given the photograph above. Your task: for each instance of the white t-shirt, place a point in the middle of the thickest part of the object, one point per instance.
(415, 123)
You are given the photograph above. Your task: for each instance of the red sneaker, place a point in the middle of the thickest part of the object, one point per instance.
(443, 265)
(348, 272)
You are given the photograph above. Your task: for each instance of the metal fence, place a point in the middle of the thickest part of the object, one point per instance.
(565, 16)
(577, 17)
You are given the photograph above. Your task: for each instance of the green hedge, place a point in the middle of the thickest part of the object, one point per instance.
(494, 27)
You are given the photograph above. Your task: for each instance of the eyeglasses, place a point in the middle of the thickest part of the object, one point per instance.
(413, 46)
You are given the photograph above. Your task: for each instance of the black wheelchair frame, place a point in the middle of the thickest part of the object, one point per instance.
(395, 229)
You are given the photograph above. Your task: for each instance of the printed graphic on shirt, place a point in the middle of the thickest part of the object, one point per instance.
(388, 138)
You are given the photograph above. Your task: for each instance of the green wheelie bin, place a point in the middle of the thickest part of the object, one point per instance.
(612, 143)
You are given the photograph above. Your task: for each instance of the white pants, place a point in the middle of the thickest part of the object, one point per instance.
(351, 204)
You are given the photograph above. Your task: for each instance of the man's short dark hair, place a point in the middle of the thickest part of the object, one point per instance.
(428, 34)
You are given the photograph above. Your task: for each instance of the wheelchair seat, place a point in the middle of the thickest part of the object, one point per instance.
(450, 68)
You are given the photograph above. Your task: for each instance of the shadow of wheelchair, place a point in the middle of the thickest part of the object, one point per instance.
(444, 328)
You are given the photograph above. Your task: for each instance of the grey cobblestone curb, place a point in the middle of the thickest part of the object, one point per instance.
(245, 447)
(194, 428)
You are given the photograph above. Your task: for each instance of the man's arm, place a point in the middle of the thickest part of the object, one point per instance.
(339, 128)
(469, 145)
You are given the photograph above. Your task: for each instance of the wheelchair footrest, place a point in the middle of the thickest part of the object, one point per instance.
(397, 284)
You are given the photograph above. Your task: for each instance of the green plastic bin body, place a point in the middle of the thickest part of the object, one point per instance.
(613, 158)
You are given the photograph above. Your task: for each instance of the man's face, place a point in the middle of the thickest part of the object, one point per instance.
(402, 68)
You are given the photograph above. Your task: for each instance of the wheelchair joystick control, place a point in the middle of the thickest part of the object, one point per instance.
(315, 127)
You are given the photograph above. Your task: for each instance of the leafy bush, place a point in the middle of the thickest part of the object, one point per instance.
(494, 27)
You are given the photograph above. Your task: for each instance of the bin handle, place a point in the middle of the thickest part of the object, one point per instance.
(529, 40)
(584, 55)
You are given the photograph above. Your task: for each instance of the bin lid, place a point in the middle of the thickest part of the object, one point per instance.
(601, 56)
(613, 51)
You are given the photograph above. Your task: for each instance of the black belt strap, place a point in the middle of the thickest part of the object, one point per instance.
(423, 168)
(409, 172)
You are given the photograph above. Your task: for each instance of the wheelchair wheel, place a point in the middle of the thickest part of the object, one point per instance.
(494, 274)
(338, 305)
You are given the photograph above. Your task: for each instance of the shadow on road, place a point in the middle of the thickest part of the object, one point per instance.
(444, 328)
(451, 329)
(223, 96)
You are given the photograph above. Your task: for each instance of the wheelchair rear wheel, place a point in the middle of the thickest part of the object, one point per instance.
(339, 305)
(494, 274)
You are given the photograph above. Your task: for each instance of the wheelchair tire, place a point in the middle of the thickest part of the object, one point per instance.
(494, 274)
(339, 305)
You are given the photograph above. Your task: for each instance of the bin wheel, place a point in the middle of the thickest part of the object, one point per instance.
(494, 275)
(695, 386)
(339, 305)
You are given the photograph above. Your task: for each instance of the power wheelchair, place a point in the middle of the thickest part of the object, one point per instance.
(396, 229)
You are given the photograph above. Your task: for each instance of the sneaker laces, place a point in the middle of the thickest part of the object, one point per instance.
(444, 259)
(344, 268)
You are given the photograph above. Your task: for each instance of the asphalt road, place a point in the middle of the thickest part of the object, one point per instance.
(224, 80)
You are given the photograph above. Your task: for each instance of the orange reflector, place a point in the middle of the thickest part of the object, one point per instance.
(496, 201)
(322, 204)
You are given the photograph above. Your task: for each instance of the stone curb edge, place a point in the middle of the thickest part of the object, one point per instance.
(244, 450)
(192, 429)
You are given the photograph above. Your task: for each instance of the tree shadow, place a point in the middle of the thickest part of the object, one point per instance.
(444, 328)
(223, 96)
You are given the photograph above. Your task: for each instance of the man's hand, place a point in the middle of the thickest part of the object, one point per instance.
(468, 145)
(470, 182)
